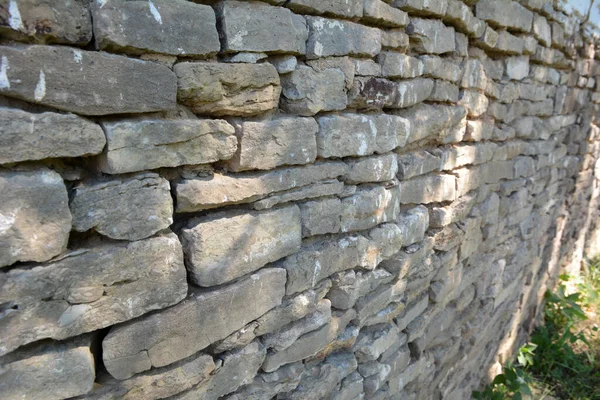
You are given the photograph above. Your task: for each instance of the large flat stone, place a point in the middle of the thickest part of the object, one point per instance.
(359, 135)
(180, 331)
(225, 246)
(221, 189)
(26, 136)
(372, 169)
(159, 26)
(269, 144)
(329, 37)
(91, 289)
(124, 209)
(340, 8)
(227, 89)
(258, 27)
(370, 206)
(432, 121)
(140, 144)
(34, 216)
(428, 189)
(69, 79)
(49, 370)
(431, 36)
(306, 91)
(65, 22)
(505, 13)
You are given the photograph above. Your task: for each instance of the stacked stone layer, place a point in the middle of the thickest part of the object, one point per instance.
(303, 199)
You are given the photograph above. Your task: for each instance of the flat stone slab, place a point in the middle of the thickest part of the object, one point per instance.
(159, 26)
(141, 144)
(60, 77)
(178, 332)
(34, 215)
(90, 289)
(27, 136)
(330, 37)
(225, 246)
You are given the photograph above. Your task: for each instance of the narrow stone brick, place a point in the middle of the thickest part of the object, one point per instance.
(59, 77)
(432, 121)
(178, 332)
(328, 37)
(90, 289)
(423, 7)
(396, 65)
(372, 169)
(341, 8)
(428, 189)
(258, 238)
(505, 13)
(370, 206)
(378, 12)
(431, 36)
(321, 216)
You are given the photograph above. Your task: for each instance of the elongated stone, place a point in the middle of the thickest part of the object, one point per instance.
(180, 331)
(27, 136)
(428, 189)
(431, 36)
(225, 246)
(329, 37)
(60, 77)
(127, 208)
(91, 289)
(505, 13)
(370, 206)
(200, 194)
(34, 215)
(159, 26)
(342, 8)
(137, 145)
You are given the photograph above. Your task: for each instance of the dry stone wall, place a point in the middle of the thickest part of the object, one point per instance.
(302, 199)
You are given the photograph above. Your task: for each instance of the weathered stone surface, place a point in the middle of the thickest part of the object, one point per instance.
(409, 93)
(474, 102)
(431, 36)
(66, 22)
(510, 44)
(59, 77)
(432, 121)
(48, 370)
(257, 27)
(359, 135)
(517, 68)
(225, 246)
(423, 7)
(342, 8)
(165, 143)
(418, 163)
(397, 65)
(374, 340)
(237, 369)
(160, 339)
(395, 39)
(321, 216)
(376, 93)
(344, 64)
(284, 64)
(307, 91)
(380, 13)
(318, 260)
(328, 37)
(268, 385)
(27, 136)
(159, 383)
(428, 189)
(444, 92)
(505, 13)
(159, 26)
(34, 216)
(269, 144)
(349, 286)
(227, 89)
(461, 16)
(319, 189)
(372, 169)
(370, 206)
(91, 289)
(413, 225)
(126, 209)
(204, 193)
(541, 30)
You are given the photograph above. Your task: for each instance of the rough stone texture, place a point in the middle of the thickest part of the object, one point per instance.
(141, 26)
(65, 22)
(101, 207)
(91, 289)
(225, 246)
(269, 144)
(166, 143)
(227, 89)
(58, 77)
(342, 8)
(329, 37)
(163, 338)
(26, 136)
(34, 215)
(431, 36)
(505, 13)
(243, 28)
(380, 13)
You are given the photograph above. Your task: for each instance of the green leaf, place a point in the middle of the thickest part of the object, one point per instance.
(517, 396)
(499, 380)
(525, 389)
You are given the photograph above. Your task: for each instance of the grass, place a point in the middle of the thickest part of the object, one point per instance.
(563, 359)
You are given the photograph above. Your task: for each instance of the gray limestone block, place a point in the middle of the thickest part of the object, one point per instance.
(381, 168)
(137, 144)
(370, 206)
(258, 27)
(225, 246)
(178, 332)
(27, 136)
(431, 36)
(378, 12)
(397, 65)
(423, 7)
(339, 8)
(432, 121)
(321, 216)
(223, 89)
(124, 208)
(329, 37)
(319, 189)
(505, 13)
(90, 289)
(48, 370)
(174, 27)
(38, 21)
(35, 215)
(433, 188)
(59, 77)
(269, 144)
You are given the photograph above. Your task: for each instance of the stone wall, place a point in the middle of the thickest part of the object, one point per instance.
(302, 199)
